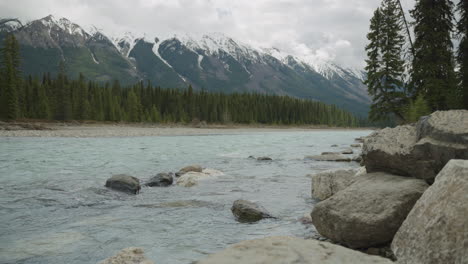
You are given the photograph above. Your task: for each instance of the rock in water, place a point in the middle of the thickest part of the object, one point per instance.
(355, 145)
(246, 211)
(124, 183)
(161, 180)
(436, 229)
(369, 212)
(347, 151)
(420, 150)
(190, 179)
(264, 158)
(191, 168)
(131, 255)
(327, 183)
(330, 157)
(285, 250)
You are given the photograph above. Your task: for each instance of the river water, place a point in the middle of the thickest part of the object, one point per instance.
(54, 207)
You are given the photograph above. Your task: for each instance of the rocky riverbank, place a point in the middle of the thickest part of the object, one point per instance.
(83, 130)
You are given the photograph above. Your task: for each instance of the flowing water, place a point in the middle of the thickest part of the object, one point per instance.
(54, 207)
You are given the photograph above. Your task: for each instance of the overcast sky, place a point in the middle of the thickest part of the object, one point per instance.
(315, 29)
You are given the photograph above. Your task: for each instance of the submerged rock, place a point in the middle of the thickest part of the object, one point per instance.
(347, 151)
(124, 183)
(436, 229)
(131, 255)
(264, 158)
(334, 146)
(161, 180)
(327, 183)
(283, 250)
(190, 179)
(246, 211)
(419, 150)
(330, 157)
(369, 212)
(191, 168)
(355, 145)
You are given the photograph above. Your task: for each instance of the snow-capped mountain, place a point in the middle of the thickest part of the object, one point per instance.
(214, 62)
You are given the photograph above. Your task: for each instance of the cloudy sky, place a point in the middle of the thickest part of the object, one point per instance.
(312, 29)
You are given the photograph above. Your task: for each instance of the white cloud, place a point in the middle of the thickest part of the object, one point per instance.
(316, 29)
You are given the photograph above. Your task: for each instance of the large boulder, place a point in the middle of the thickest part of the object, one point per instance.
(161, 180)
(246, 211)
(436, 229)
(191, 178)
(191, 168)
(419, 150)
(390, 150)
(131, 255)
(124, 183)
(369, 212)
(327, 183)
(283, 249)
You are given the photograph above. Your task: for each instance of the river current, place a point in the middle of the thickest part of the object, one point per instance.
(54, 207)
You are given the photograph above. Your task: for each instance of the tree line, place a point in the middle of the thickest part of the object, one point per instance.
(409, 79)
(60, 98)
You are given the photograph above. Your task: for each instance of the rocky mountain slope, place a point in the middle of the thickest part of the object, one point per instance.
(214, 62)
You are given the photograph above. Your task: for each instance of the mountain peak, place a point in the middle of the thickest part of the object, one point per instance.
(10, 24)
(63, 24)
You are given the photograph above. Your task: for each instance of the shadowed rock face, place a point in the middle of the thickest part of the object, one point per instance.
(436, 229)
(420, 150)
(246, 211)
(124, 183)
(281, 250)
(369, 212)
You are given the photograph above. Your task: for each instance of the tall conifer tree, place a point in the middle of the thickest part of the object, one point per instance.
(462, 54)
(385, 65)
(433, 74)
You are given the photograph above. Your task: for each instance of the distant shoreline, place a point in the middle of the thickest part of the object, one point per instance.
(107, 129)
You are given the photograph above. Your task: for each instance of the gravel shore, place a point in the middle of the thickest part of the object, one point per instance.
(119, 130)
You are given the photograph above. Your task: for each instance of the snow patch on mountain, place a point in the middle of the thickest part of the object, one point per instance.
(63, 24)
(10, 24)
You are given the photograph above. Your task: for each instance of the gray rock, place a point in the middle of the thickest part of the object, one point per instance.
(330, 153)
(449, 126)
(288, 250)
(264, 158)
(191, 178)
(124, 183)
(355, 145)
(161, 180)
(436, 229)
(420, 150)
(330, 157)
(246, 211)
(129, 255)
(390, 150)
(334, 146)
(359, 139)
(191, 168)
(347, 151)
(369, 212)
(327, 183)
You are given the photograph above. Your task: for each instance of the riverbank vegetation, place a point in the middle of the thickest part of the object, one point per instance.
(409, 79)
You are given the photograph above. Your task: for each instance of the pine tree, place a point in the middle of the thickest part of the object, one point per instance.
(462, 55)
(11, 78)
(385, 65)
(433, 74)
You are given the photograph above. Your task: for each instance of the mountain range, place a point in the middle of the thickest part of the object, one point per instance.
(213, 62)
